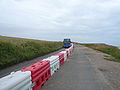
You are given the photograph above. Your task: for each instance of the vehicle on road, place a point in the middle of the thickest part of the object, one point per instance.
(67, 43)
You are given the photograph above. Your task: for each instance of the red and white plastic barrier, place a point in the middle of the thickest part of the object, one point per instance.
(40, 72)
(54, 63)
(61, 57)
(69, 50)
(16, 81)
(35, 75)
(65, 55)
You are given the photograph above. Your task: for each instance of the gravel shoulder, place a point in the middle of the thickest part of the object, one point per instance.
(109, 69)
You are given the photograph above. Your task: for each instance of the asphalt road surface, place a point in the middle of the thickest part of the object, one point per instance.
(77, 73)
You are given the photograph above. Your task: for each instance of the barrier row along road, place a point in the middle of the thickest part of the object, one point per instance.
(35, 75)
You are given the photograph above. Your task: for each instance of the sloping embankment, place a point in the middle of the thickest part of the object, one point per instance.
(16, 50)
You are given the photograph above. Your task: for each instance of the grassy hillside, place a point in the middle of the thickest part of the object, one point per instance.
(111, 50)
(16, 50)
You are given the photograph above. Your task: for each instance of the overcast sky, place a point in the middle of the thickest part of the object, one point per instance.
(80, 20)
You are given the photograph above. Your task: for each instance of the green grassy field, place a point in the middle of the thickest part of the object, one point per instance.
(16, 50)
(111, 50)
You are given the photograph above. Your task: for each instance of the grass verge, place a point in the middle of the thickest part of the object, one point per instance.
(111, 50)
(16, 50)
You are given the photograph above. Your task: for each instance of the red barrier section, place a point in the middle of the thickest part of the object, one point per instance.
(61, 57)
(40, 72)
(66, 51)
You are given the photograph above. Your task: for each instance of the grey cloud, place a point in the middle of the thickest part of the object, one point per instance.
(81, 20)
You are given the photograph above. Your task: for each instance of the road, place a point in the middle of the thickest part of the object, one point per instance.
(85, 69)
(78, 73)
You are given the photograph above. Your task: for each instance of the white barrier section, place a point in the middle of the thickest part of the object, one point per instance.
(54, 63)
(65, 55)
(16, 81)
(72, 47)
(70, 50)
